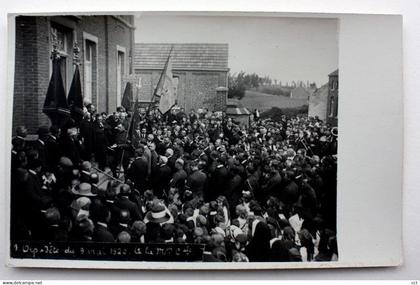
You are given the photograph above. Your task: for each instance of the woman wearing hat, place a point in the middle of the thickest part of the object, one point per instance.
(158, 214)
(83, 189)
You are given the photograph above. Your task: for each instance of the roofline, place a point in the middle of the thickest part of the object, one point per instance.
(124, 22)
(182, 69)
(191, 43)
(332, 73)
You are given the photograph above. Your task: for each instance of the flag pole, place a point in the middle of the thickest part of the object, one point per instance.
(159, 82)
(138, 86)
(76, 63)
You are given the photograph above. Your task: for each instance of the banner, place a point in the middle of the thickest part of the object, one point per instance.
(75, 98)
(165, 90)
(55, 104)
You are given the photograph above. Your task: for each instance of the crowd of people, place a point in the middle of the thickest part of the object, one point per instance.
(259, 192)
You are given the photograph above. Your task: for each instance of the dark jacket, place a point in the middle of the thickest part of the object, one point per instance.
(52, 153)
(259, 247)
(137, 172)
(125, 204)
(102, 234)
(178, 180)
(218, 182)
(162, 175)
(196, 182)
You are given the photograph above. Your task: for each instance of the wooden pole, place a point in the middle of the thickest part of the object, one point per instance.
(138, 86)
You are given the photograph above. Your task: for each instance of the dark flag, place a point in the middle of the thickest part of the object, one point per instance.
(75, 98)
(127, 97)
(55, 105)
(134, 121)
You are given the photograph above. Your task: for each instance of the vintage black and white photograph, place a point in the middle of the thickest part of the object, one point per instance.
(157, 137)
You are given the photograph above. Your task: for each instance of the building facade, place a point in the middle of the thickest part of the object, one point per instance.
(106, 47)
(300, 92)
(318, 102)
(200, 73)
(332, 107)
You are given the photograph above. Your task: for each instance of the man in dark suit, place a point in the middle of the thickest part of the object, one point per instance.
(101, 141)
(18, 141)
(40, 144)
(161, 176)
(87, 133)
(178, 178)
(219, 180)
(101, 232)
(71, 145)
(138, 170)
(36, 199)
(123, 202)
(52, 149)
(124, 223)
(273, 184)
(197, 180)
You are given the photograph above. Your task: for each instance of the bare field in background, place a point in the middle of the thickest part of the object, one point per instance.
(262, 101)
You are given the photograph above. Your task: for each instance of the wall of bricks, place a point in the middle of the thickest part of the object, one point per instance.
(31, 72)
(196, 89)
(32, 62)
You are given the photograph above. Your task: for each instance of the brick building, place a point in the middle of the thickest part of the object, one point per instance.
(106, 44)
(200, 72)
(332, 107)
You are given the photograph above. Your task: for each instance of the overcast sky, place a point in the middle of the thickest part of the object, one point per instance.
(285, 49)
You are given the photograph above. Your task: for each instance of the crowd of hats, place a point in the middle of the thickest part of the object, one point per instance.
(263, 192)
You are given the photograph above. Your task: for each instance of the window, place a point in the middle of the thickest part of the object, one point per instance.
(64, 37)
(90, 71)
(120, 75)
(336, 108)
(331, 107)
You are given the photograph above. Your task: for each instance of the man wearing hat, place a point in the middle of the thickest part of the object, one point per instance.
(18, 142)
(40, 144)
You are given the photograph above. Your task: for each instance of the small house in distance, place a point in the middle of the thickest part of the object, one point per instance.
(200, 72)
(318, 103)
(324, 101)
(332, 112)
(299, 92)
(237, 112)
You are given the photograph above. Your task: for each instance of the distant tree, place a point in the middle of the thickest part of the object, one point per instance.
(239, 83)
(236, 86)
